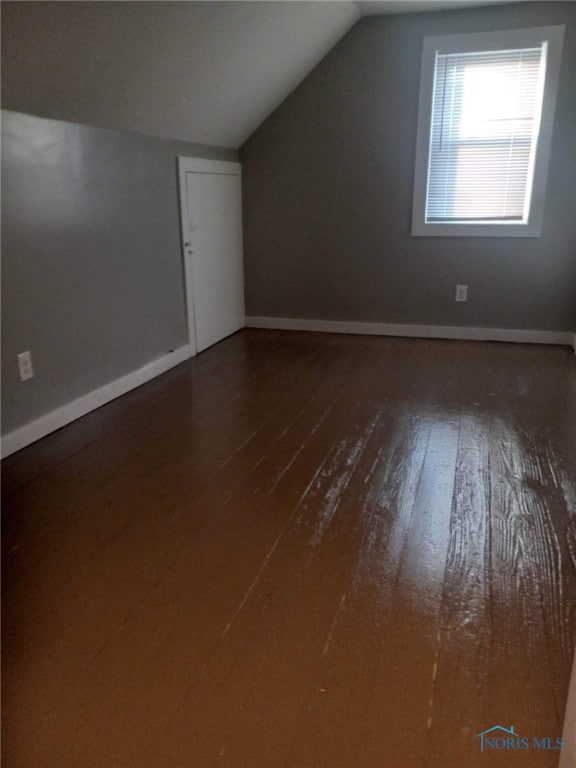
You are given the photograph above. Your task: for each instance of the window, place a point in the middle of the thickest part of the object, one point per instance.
(484, 131)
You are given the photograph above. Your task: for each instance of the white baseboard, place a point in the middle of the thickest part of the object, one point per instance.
(52, 421)
(568, 753)
(418, 331)
(29, 433)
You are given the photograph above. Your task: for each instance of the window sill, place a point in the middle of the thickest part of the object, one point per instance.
(421, 229)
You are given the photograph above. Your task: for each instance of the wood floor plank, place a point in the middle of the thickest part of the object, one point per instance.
(198, 564)
(172, 531)
(300, 550)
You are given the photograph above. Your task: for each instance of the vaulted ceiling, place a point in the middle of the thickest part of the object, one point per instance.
(206, 72)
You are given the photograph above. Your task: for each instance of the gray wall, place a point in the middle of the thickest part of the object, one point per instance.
(91, 258)
(328, 194)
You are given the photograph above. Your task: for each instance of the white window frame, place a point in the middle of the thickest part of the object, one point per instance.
(476, 42)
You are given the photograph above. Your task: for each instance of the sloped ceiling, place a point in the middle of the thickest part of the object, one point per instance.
(372, 7)
(206, 72)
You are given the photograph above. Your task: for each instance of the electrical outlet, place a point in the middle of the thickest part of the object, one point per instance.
(25, 366)
(461, 293)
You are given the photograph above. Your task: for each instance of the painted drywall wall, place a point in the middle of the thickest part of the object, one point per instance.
(91, 258)
(328, 184)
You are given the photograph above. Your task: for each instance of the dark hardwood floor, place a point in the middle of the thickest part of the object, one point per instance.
(298, 550)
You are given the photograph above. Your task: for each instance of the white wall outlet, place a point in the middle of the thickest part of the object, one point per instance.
(25, 366)
(461, 293)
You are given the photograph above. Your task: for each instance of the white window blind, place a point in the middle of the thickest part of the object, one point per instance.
(485, 121)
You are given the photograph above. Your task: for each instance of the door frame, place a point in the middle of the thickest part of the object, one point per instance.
(195, 165)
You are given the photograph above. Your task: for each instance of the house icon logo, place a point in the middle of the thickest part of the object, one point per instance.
(497, 737)
(501, 739)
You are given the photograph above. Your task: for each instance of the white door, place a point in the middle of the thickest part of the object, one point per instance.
(211, 211)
